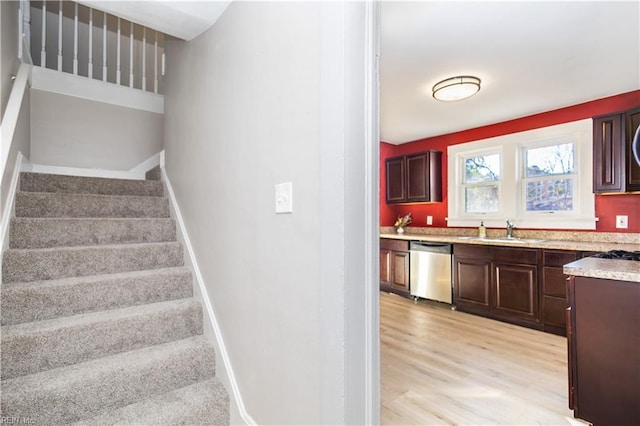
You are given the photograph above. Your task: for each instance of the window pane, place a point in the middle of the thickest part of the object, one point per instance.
(482, 169)
(550, 195)
(481, 199)
(550, 160)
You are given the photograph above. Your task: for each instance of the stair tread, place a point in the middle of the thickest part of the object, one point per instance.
(205, 402)
(82, 390)
(42, 345)
(59, 262)
(31, 182)
(36, 232)
(92, 247)
(101, 367)
(93, 278)
(79, 320)
(39, 300)
(70, 205)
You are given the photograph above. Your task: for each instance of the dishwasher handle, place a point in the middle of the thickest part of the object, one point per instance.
(429, 247)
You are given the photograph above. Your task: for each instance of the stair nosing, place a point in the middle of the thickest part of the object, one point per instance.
(84, 319)
(91, 194)
(93, 247)
(90, 278)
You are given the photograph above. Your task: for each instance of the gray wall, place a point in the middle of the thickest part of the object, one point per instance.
(8, 49)
(273, 93)
(73, 132)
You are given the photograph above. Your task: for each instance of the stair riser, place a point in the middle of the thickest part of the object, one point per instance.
(43, 233)
(41, 204)
(26, 303)
(40, 182)
(31, 351)
(63, 396)
(47, 264)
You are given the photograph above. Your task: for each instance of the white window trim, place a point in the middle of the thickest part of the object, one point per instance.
(512, 207)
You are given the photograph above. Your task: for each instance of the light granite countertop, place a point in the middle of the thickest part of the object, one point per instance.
(610, 269)
(625, 270)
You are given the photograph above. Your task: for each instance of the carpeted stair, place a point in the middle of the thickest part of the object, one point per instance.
(99, 323)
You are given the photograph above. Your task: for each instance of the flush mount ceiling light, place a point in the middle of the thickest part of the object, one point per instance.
(456, 88)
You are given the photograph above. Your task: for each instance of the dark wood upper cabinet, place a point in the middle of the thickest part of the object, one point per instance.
(415, 178)
(614, 166)
(396, 173)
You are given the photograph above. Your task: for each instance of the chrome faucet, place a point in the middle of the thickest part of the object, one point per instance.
(510, 227)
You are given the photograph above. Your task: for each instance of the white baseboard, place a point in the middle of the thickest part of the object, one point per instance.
(138, 172)
(208, 311)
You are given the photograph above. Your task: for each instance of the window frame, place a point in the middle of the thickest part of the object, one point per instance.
(512, 193)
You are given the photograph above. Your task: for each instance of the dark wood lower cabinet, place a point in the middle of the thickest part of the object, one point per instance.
(394, 266)
(497, 282)
(604, 351)
(554, 289)
(472, 278)
(515, 291)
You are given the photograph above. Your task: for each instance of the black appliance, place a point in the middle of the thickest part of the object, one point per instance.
(619, 254)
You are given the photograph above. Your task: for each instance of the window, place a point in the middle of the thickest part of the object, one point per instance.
(481, 187)
(548, 178)
(536, 179)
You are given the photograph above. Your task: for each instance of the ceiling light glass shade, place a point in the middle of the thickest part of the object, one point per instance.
(456, 88)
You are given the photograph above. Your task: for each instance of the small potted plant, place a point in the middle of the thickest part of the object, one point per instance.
(402, 222)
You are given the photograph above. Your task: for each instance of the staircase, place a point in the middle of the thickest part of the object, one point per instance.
(99, 324)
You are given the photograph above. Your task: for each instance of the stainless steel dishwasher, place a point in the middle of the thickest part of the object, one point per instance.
(430, 270)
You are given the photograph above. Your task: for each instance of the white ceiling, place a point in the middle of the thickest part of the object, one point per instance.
(531, 57)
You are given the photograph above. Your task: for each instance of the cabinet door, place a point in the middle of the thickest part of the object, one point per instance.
(395, 169)
(633, 168)
(515, 291)
(400, 260)
(471, 283)
(385, 266)
(417, 177)
(608, 157)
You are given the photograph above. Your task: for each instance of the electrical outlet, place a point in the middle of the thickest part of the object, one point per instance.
(429, 220)
(622, 221)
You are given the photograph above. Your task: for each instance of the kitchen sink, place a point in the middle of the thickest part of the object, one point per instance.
(504, 240)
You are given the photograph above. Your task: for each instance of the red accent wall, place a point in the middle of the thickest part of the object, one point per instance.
(607, 206)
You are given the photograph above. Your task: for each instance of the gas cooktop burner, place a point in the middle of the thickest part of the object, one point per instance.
(619, 254)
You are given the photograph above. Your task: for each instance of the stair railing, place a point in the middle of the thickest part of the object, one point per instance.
(83, 41)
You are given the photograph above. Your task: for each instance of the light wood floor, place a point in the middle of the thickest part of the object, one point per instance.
(440, 366)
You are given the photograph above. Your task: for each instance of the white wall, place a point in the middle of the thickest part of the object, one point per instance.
(274, 93)
(68, 131)
(8, 49)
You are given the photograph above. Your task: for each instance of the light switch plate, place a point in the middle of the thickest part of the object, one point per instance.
(284, 197)
(429, 220)
(622, 221)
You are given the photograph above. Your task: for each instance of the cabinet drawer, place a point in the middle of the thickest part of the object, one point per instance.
(515, 256)
(475, 251)
(558, 257)
(397, 245)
